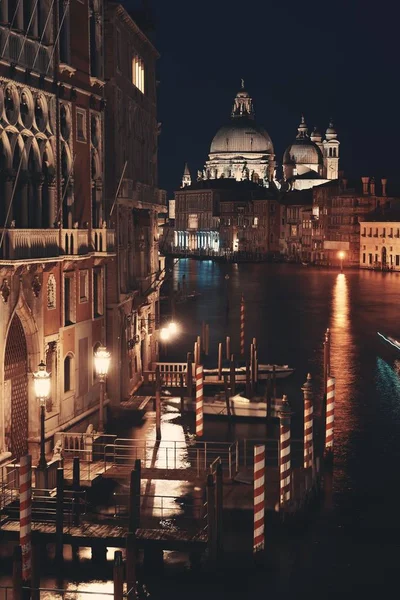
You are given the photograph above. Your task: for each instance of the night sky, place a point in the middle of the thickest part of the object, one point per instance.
(322, 59)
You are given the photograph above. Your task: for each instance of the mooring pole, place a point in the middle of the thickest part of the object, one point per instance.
(76, 482)
(233, 376)
(60, 516)
(248, 386)
(308, 441)
(242, 325)
(134, 501)
(284, 453)
(17, 573)
(206, 339)
(211, 520)
(252, 368)
(228, 347)
(199, 346)
(118, 576)
(131, 565)
(330, 419)
(220, 361)
(189, 375)
(219, 510)
(158, 403)
(226, 389)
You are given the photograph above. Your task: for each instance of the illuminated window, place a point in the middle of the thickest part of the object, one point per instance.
(255, 221)
(138, 73)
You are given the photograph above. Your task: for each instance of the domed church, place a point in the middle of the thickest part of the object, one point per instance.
(241, 149)
(309, 161)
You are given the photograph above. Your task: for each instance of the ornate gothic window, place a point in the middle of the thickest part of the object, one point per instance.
(51, 292)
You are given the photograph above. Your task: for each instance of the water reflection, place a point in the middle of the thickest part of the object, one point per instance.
(342, 364)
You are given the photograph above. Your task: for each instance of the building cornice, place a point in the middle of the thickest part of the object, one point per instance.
(124, 15)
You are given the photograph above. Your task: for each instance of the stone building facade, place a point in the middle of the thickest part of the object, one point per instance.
(54, 241)
(134, 201)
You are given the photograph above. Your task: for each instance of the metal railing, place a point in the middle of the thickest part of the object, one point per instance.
(6, 593)
(196, 456)
(186, 513)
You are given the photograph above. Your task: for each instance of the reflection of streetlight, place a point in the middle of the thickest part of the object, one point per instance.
(341, 255)
(42, 390)
(101, 364)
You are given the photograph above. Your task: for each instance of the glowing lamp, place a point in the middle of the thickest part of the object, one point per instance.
(173, 328)
(102, 361)
(42, 383)
(165, 334)
(341, 255)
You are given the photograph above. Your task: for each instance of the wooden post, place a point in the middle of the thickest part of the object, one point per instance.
(138, 484)
(195, 352)
(255, 342)
(273, 383)
(233, 376)
(199, 342)
(17, 573)
(158, 403)
(269, 398)
(308, 439)
(252, 367)
(203, 336)
(226, 388)
(118, 576)
(189, 375)
(60, 516)
(228, 347)
(255, 366)
(131, 565)
(76, 481)
(219, 361)
(35, 594)
(219, 510)
(25, 516)
(242, 324)
(211, 521)
(134, 501)
(182, 390)
(207, 339)
(248, 387)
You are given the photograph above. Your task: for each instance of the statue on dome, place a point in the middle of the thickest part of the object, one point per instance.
(200, 175)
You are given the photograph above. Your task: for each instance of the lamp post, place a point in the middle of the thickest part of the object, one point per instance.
(341, 255)
(101, 363)
(42, 390)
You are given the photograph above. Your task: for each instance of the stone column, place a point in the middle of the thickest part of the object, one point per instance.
(4, 12)
(52, 203)
(38, 209)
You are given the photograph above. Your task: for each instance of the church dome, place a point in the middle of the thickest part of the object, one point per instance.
(303, 151)
(242, 135)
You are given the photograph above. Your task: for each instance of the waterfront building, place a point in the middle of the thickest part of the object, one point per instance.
(337, 209)
(54, 241)
(295, 230)
(380, 237)
(133, 200)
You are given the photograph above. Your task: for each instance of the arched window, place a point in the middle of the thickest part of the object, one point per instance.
(69, 373)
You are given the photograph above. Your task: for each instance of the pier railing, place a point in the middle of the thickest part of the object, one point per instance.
(164, 454)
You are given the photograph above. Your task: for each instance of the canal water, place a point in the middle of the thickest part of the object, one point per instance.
(351, 547)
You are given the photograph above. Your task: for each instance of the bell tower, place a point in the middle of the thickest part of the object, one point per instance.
(186, 179)
(331, 153)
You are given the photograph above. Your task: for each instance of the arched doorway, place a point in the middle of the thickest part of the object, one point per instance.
(384, 257)
(16, 388)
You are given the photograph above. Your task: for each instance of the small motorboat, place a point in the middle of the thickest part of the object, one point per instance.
(264, 372)
(389, 348)
(239, 406)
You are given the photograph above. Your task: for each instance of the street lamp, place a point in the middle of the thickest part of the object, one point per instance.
(101, 364)
(173, 328)
(42, 390)
(341, 255)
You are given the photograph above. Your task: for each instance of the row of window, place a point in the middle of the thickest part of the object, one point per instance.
(394, 259)
(70, 294)
(391, 232)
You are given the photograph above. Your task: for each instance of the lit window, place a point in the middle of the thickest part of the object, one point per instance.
(80, 125)
(255, 221)
(138, 73)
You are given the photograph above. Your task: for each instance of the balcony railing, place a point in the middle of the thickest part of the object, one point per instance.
(25, 52)
(103, 240)
(27, 244)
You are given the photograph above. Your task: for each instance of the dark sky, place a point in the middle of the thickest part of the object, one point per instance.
(338, 58)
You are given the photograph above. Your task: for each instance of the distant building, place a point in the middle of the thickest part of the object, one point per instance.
(295, 236)
(380, 238)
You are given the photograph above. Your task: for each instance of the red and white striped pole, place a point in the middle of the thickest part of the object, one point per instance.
(259, 498)
(242, 326)
(330, 417)
(284, 452)
(308, 442)
(199, 400)
(25, 515)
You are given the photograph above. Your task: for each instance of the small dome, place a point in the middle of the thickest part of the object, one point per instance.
(315, 135)
(242, 135)
(303, 151)
(331, 133)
